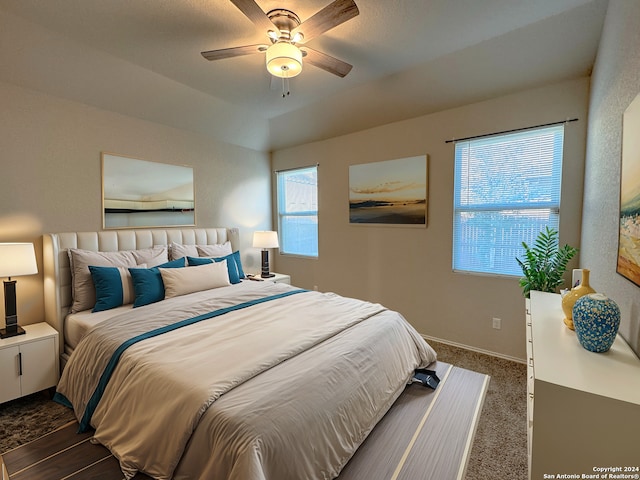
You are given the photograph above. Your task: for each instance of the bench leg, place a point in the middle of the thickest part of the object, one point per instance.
(5, 474)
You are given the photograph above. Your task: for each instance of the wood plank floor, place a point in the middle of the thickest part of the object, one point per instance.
(426, 434)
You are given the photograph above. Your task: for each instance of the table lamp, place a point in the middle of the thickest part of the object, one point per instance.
(265, 240)
(15, 259)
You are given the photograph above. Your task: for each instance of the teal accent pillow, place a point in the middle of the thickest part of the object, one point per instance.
(232, 267)
(236, 256)
(147, 282)
(113, 285)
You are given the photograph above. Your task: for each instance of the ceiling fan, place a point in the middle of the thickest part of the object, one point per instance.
(288, 35)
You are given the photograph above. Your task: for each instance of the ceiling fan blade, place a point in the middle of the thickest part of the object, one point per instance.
(254, 13)
(326, 62)
(233, 52)
(334, 14)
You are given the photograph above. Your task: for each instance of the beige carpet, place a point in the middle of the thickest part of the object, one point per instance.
(499, 450)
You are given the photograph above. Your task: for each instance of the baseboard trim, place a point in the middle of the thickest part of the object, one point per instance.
(475, 349)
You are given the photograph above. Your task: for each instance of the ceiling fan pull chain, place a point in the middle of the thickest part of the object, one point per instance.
(285, 87)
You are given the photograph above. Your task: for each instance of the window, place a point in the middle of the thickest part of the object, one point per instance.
(298, 211)
(507, 189)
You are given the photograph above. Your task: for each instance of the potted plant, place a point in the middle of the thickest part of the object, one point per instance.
(544, 264)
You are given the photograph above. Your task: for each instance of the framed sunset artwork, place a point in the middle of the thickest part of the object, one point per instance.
(629, 237)
(391, 192)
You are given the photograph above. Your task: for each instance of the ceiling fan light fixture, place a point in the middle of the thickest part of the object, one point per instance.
(284, 60)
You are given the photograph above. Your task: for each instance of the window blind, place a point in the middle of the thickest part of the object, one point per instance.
(506, 190)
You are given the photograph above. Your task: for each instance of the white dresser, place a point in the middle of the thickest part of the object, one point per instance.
(583, 407)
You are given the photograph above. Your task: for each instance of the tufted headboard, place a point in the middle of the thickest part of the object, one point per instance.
(57, 273)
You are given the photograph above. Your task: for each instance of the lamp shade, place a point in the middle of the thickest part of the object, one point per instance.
(265, 239)
(284, 60)
(17, 259)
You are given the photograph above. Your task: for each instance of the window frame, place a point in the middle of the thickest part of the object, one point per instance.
(281, 213)
(463, 262)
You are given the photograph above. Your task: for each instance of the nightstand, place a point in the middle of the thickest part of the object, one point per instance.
(280, 278)
(29, 362)
(277, 278)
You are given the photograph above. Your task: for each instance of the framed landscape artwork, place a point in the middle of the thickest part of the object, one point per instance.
(629, 237)
(138, 193)
(392, 192)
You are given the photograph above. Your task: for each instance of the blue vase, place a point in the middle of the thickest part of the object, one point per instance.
(596, 319)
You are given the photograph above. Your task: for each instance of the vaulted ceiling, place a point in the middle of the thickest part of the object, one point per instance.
(410, 57)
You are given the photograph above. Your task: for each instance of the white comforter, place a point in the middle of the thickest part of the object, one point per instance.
(283, 389)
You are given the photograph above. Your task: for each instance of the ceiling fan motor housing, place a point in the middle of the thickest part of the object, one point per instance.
(285, 21)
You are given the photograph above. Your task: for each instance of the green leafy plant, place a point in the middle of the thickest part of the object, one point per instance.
(544, 264)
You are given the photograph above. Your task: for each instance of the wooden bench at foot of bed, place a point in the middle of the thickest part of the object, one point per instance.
(426, 434)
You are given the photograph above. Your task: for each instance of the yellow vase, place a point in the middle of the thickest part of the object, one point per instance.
(569, 300)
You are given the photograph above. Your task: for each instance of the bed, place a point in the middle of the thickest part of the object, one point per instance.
(244, 380)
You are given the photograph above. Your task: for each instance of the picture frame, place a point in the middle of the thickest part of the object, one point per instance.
(390, 192)
(140, 194)
(628, 262)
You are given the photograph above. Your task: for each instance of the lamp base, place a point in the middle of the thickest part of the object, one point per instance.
(11, 331)
(10, 313)
(265, 265)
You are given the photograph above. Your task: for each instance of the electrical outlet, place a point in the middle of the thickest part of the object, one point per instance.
(315, 287)
(497, 323)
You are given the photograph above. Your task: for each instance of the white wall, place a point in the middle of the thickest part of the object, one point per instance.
(51, 176)
(409, 269)
(615, 83)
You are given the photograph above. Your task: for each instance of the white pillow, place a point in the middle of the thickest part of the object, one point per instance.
(218, 250)
(180, 281)
(177, 250)
(152, 257)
